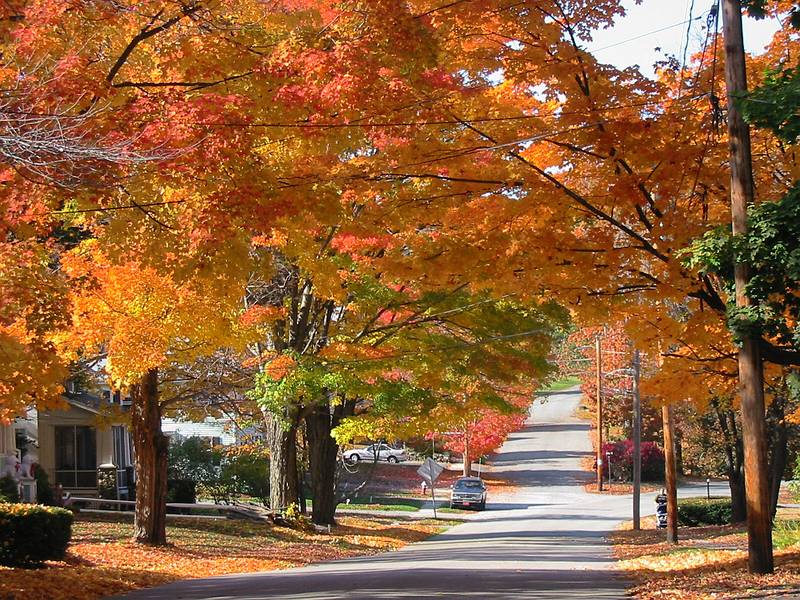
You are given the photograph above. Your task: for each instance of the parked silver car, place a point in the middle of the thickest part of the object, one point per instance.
(381, 452)
(468, 492)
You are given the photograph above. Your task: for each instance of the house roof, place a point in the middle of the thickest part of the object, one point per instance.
(84, 400)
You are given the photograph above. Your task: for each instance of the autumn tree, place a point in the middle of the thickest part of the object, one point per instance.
(420, 145)
(477, 430)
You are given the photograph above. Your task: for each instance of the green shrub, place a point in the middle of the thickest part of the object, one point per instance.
(31, 534)
(44, 491)
(247, 474)
(9, 490)
(702, 511)
(181, 491)
(192, 458)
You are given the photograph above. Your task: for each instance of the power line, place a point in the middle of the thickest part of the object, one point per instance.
(454, 154)
(688, 36)
(643, 35)
(480, 119)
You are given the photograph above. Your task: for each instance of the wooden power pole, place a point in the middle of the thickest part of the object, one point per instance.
(599, 392)
(671, 474)
(637, 443)
(751, 386)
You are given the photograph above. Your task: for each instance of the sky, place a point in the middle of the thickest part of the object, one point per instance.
(617, 47)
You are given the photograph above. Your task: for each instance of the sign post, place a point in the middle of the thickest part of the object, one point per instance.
(430, 471)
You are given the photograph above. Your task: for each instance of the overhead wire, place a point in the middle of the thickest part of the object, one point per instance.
(686, 45)
(454, 154)
(643, 35)
(438, 122)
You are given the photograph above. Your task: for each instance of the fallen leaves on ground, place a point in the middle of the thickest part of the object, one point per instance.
(102, 560)
(619, 488)
(709, 562)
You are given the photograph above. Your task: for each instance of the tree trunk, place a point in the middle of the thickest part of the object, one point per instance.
(671, 476)
(779, 440)
(637, 444)
(751, 375)
(599, 393)
(282, 441)
(467, 460)
(301, 492)
(734, 460)
(322, 455)
(738, 498)
(151, 448)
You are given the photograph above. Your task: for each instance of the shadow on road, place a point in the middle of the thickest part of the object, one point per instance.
(355, 583)
(536, 456)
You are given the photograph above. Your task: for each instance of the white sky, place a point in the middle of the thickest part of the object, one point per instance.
(652, 15)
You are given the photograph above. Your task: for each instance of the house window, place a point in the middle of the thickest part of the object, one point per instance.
(122, 457)
(21, 442)
(76, 456)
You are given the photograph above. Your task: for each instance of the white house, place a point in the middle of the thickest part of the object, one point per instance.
(77, 445)
(216, 431)
(84, 449)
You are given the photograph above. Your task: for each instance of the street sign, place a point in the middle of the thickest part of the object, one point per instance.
(430, 471)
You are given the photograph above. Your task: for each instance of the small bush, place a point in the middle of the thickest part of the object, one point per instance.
(32, 534)
(181, 491)
(622, 460)
(695, 512)
(9, 490)
(247, 474)
(44, 491)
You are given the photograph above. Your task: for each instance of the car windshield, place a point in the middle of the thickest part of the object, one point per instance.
(469, 485)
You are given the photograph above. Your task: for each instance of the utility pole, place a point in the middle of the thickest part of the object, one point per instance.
(671, 474)
(637, 443)
(751, 385)
(599, 392)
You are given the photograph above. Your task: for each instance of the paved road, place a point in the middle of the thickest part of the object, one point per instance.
(544, 541)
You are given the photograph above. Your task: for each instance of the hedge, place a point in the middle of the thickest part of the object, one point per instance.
(31, 534)
(181, 491)
(9, 490)
(694, 512)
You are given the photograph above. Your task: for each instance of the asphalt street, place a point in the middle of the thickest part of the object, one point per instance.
(544, 540)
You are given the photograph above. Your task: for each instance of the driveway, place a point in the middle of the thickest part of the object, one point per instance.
(544, 540)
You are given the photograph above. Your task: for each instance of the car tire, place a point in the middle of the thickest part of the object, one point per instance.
(391, 459)
(354, 458)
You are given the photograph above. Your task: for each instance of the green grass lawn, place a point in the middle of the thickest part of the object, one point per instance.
(561, 384)
(447, 509)
(785, 533)
(374, 506)
(384, 503)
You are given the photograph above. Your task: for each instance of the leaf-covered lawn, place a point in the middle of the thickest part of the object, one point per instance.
(103, 561)
(620, 488)
(709, 562)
